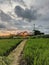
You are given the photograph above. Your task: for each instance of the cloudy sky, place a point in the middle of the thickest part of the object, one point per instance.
(23, 14)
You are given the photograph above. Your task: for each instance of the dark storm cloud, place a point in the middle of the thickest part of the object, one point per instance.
(26, 14)
(4, 16)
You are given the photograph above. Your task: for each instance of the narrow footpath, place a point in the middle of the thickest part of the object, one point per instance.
(17, 52)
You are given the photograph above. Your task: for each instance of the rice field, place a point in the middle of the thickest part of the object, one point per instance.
(7, 45)
(36, 51)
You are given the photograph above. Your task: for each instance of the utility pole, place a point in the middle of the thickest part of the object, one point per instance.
(34, 27)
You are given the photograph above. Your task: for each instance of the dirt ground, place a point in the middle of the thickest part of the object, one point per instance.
(15, 54)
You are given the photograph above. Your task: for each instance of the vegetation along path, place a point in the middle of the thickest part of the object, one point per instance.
(17, 52)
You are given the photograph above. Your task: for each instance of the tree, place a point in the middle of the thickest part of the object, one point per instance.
(37, 32)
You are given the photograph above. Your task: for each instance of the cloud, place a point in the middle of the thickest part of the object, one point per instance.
(20, 2)
(4, 17)
(2, 26)
(26, 13)
(36, 11)
(1, 2)
(7, 22)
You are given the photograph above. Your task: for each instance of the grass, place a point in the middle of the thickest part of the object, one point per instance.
(7, 45)
(36, 51)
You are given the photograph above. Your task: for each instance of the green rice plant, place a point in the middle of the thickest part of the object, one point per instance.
(7, 45)
(36, 51)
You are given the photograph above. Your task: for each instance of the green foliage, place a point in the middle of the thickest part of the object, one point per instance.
(7, 45)
(36, 51)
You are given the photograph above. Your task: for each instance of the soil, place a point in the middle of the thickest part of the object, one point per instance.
(16, 53)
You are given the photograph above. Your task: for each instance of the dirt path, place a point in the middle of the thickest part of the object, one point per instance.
(17, 52)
